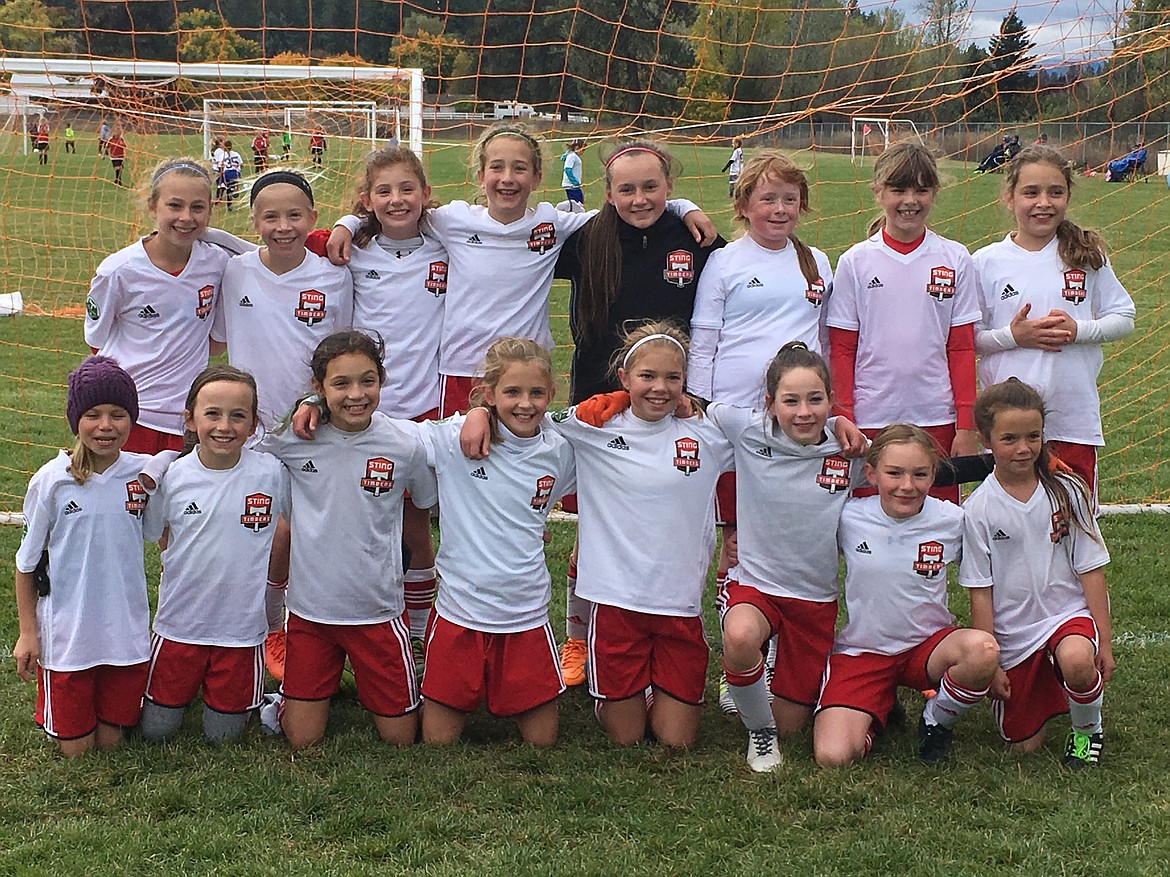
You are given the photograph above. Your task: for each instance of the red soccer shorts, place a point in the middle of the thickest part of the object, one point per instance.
(232, 678)
(725, 500)
(454, 392)
(1037, 690)
(380, 654)
(629, 651)
(1082, 459)
(869, 682)
(511, 672)
(804, 632)
(71, 703)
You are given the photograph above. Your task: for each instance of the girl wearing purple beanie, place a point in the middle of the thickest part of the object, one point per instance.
(80, 581)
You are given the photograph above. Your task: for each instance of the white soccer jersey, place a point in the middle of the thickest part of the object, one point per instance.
(156, 325)
(492, 574)
(215, 566)
(96, 611)
(571, 177)
(346, 565)
(1030, 558)
(646, 523)
(789, 499)
(903, 308)
(895, 574)
(500, 276)
(400, 298)
(1009, 278)
(757, 300)
(736, 162)
(218, 159)
(273, 322)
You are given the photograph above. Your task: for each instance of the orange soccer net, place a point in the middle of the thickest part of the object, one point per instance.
(831, 82)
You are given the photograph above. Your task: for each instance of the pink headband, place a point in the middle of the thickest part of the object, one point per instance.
(625, 150)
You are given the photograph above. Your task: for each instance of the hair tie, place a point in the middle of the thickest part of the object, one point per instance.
(625, 150)
(273, 177)
(658, 336)
(183, 165)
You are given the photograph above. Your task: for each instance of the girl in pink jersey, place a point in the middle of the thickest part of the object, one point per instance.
(897, 546)
(80, 580)
(220, 503)
(489, 640)
(150, 304)
(1050, 299)
(796, 478)
(1033, 560)
(902, 315)
(345, 597)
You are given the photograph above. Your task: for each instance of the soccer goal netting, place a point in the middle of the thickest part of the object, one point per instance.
(826, 83)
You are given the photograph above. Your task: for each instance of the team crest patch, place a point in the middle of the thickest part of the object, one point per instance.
(834, 475)
(562, 415)
(686, 455)
(930, 559)
(1059, 527)
(680, 268)
(257, 512)
(312, 307)
(942, 283)
(379, 476)
(543, 238)
(815, 292)
(1074, 286)
(436, 282)
(91, 309)
(135, 498)
(544, 486)
(204, 299)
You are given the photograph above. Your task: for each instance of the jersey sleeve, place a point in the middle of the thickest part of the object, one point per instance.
(965, 305)
(975, 566)
(227, 241)
(37, 520)
(1111, 297)
(1085, 552)
(421, 482)
(154, 519)
(345, 298)
(710, 294)
(101, 307)
(352, 223)
(731, 420)
(842, 310)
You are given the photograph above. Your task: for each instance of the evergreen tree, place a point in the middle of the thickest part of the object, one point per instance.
(1015, 81)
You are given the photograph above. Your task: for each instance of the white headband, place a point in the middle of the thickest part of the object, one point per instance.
(656, 337)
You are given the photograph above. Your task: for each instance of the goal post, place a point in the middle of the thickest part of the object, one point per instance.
(360, 118)
(863, 126)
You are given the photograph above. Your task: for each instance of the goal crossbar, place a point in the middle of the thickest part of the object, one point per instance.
(366, 109)
(882, 123)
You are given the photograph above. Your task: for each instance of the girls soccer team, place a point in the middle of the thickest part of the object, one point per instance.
(1039, 641)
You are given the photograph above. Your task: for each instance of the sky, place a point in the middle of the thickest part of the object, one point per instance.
(1063, 30)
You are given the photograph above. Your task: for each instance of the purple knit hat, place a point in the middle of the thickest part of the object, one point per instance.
(99, 380)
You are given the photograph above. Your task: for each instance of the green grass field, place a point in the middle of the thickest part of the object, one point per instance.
(492, 806)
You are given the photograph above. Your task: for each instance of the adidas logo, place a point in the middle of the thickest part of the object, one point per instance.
(874, 284)
(373, 275)
(1008, 292)
(245, 302)
(1000, 536)
(764, 452)
(863, 548)
(71, 507)
(474, 239)
(309, 467)
(480, 474)
(618, 444)
(192, 509)
(754, 283)
(147, 313)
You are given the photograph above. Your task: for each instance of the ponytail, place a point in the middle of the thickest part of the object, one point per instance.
(81, 460)
(599, 283)
(808, 263)
(1079, 247)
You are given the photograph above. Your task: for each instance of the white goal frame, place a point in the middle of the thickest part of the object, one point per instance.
(366, 109)
(883, 123)
(216, 72)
